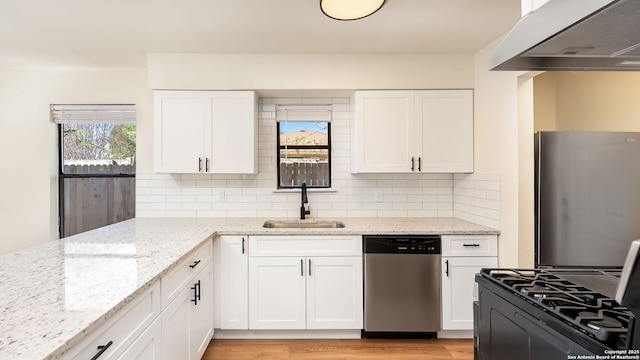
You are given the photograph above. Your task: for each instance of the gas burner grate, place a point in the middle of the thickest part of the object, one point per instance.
(592, 313)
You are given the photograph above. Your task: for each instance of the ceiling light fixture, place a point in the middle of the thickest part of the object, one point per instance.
(350, 9)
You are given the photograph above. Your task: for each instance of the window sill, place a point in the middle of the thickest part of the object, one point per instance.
(309, 190)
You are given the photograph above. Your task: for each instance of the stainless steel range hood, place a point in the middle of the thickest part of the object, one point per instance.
(596, 35)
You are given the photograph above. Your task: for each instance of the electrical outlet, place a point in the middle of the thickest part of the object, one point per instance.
(219, 196)
(379, 195)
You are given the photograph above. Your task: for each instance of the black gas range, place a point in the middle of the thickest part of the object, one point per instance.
(552, 314)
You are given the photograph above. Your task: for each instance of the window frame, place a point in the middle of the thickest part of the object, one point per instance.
(62, 176)
(280, 147)
(87, 114)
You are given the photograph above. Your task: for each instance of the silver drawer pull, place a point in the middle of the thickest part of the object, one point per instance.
(471, 245)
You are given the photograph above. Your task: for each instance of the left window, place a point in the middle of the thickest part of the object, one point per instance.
(97, 156)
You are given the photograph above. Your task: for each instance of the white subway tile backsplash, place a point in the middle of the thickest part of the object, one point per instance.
(211, 213)
(150, 213)
(166, 206)
(196, 206)
(196, 191)
(268, 107)
(471, 197)
(150, 199)
(211, 183)
(181, 198)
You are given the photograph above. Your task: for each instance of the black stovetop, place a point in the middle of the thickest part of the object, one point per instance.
(581, 298)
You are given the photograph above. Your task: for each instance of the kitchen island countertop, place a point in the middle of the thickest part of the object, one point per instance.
(55, 293)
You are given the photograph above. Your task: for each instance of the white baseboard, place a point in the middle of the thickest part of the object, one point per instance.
(455, 334)
(286, 334)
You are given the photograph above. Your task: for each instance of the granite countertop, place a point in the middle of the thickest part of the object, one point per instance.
(354, 226)
(55, 293)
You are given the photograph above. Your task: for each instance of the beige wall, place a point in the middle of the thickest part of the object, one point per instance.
(544, 95)
(591, 101)
(29, 142)
(299, 71)
(497, 128)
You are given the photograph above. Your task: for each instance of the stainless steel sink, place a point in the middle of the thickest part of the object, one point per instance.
(303, 224)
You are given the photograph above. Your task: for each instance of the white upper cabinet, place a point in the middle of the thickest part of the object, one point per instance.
(205, 132)
(444, 124)
(383, 131)
(405, 131)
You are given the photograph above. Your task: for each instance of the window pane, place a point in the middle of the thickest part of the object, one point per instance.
(98, 148)
(310, 166)
(304, 154)
(303, 133)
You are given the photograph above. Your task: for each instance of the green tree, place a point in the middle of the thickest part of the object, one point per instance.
(122, 142)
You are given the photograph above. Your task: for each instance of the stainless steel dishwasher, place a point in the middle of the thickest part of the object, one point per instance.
(401, 286)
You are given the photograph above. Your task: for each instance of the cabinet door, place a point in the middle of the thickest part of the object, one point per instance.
(179, 131)
(233, 142)
(458, 279)
(383, 132)
(201, 313)
(444, 127)
(334, 293)
(277, 293)
(175, 326)
(234, 282)
(147, 346)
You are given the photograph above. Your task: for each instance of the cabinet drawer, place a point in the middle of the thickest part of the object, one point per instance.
(176, 279)
(469, 245)
(317, 245)
(122, 329)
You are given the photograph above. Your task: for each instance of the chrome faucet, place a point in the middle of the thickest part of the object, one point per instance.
(304, 206)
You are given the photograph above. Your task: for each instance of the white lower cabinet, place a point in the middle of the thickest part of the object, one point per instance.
(175, 325)
(462, 257)
(187, 319)
(201, 314)
(171, 319)
(300, 291)
(334, 293)
(305, 293)
(277, 293)
(232, 282)
(148, 346)
(125, 328)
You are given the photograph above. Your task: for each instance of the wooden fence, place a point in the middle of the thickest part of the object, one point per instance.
(92, 202)
(314, 174)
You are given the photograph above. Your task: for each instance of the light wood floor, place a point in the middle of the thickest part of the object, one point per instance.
(436, 349)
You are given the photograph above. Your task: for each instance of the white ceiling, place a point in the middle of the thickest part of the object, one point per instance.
(121, 32)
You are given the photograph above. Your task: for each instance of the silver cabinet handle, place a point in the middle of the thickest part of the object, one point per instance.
(412, 161)
(309, 267)
(301, 267)
(199, 164)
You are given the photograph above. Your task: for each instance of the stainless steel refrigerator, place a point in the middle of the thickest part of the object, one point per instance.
(587, 197)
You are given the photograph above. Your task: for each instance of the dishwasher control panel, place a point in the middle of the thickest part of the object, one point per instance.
(397, 244)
